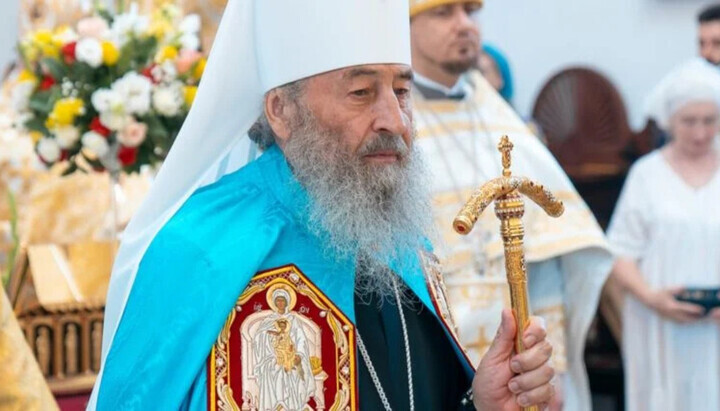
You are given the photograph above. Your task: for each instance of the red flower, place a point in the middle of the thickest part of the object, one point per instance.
(68, 52)
(98, 127)
(147, 72)
(127, 155)
(47, 82)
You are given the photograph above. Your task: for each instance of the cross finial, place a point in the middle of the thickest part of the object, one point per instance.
(505, 146)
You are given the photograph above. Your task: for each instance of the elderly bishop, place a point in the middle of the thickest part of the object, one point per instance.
(302, 279)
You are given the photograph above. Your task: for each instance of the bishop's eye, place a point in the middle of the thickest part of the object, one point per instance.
(402, 92)
(361, 92)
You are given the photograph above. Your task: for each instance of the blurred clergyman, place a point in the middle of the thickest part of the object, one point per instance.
(709, 34)
(459, 118)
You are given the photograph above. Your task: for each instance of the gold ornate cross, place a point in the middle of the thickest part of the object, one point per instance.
(506, 192)
(505, 146)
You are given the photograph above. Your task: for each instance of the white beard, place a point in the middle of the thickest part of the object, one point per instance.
(378, 212)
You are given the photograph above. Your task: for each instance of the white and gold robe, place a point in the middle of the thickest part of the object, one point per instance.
(568, 258)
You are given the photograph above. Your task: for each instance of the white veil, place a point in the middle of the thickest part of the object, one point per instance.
(260, 45)
(693, 80)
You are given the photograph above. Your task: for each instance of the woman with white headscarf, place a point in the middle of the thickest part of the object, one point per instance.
(666, 235)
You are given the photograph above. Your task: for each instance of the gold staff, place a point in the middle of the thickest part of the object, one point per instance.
(509, 208)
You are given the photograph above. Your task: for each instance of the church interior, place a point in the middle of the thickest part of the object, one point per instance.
(577, 73)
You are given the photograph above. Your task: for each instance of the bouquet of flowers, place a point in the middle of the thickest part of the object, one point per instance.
(111, 92)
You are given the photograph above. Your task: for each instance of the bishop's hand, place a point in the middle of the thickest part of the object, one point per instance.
(506, 381)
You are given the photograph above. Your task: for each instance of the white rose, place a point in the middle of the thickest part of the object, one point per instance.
(20, 95)
(168, 100)
(66, 136)
(128, 24)
(89, 50)
(95, 143)
(165, 72)
(189, 41)
(190, 24)
(103, 99)
(115, 120)
(135, 89)
(112, 106)
(48, 149)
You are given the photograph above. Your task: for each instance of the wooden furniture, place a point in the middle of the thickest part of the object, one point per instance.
(58, 295)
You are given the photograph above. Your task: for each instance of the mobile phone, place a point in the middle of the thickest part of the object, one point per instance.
(708, 298)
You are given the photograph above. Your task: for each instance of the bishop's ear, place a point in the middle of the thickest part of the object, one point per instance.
(279, 111)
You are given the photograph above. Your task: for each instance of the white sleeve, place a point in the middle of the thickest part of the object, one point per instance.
(628, 231)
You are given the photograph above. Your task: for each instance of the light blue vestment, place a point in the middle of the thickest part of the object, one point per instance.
(194, 271)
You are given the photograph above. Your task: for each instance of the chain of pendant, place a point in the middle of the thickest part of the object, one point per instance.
(371, 368)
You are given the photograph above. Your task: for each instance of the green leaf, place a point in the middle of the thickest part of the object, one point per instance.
(156, 129)
(71, 168)
(37, 124)
(43, 101)
(55, 67)
(83, 73)
(105, 14)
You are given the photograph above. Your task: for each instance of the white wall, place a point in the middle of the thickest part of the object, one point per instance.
(9, 10)
(633, 42)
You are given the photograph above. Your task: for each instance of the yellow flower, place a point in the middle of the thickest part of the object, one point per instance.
(42, 37)
(50, 50)
(159, 28)
(59, 34)
(27, 75)
(29, 50)
(199, 68)
(190, 92)
(110, 53)
(35, 136)
(43, 41)
(64, 112)
(166, 53)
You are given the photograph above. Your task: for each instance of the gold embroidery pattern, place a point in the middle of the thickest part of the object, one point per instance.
(438, 294)
(290, 335)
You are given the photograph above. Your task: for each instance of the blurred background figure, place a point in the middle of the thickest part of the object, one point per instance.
(666, 234)
(495, 67)
(709, 34)
(460, 118)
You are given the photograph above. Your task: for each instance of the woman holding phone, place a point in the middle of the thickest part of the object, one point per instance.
(666, 235)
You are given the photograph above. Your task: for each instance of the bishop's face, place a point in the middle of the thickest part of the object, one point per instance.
(348, 138)
(361, 103)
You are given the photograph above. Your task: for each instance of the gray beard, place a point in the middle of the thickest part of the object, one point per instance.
(373, 212)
